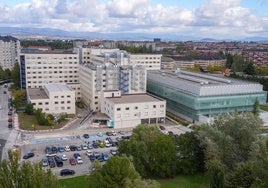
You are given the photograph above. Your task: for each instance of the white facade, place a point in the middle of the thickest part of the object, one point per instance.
(9, 52)
(120, 57)
(132, 110)
(51, 67)
(53, 98)
(96, 78)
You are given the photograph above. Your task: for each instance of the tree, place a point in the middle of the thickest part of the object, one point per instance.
(250, 69)
(15, 73)
(18, 97)
(216, 174)
(29, 109)
(256, 107)
(118, 172)
(154, 154)
(230, 140)
(41, 117)
(25, 175)
(191, 153)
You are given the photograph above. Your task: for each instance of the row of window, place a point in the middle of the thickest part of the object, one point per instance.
(56, 102)
(46, 81)
(47, 57)
(136, 107)
(54, 67)
(138, 114)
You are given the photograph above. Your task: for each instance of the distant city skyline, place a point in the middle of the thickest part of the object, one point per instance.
(218, 19)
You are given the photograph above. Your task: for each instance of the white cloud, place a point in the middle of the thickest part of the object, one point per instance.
(211, 18)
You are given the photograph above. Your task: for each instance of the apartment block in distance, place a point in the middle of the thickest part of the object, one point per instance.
(9, 51)
(53, 98)
(130, 110)
(44, 67)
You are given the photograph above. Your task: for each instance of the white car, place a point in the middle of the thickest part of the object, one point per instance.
(113, 133)
(84, 147)
(107, 143)
(67, 148)
(79, 160)
(100, 134)
(64, 157)
(89, 153)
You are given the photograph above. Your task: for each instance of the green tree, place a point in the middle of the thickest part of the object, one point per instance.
(191, 156)
(29, 109)
(118, 172)
(256, 107)
(18, 97)
(229, 61)
(25, 175)
(41, 117)
(153, 152)
(250, 69)
(216, 174)
(16, 76)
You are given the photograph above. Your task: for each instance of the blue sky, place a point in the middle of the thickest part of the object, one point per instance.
(207, 18)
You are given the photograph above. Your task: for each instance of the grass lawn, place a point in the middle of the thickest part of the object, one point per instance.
(26, 122)
(79, 181)
(264, 107)
(196, 181)
(182, 181)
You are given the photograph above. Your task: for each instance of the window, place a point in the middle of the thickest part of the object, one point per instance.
(40, 103)
(136, 108)
(127, 108)
(62, 102)
(56, 97)
(56, 102)
(154, 106)
(118, 109)
(162, 106)
(46, 103)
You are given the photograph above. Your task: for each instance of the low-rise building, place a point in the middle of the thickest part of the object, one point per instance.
(53, 98)
(131, 110)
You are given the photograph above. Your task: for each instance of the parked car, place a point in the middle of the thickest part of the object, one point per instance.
(122, 132)
(54, 149)
(28, 155)
(67, 148)
(96, 154)
(100, 134)
(72, 148)
(84, 147)
(44, 162)
(10, 125)
(79, 160)
(77, 155)
(107, 143)
(89, 152)
(72, 161)
(58, 161)
(113, 133)
(51, 162)
(65, 172)
(64, 157)
(9, 113)
(92, 158)
(113, 151)
(105, 156)
(78, 148)
(61, 149)
(86, 136)
(9, 120)
(161, 127)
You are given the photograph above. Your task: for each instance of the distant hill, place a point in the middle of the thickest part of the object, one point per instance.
(23, 32)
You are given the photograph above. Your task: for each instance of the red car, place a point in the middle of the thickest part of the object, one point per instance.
(72, 161)
(9, 119)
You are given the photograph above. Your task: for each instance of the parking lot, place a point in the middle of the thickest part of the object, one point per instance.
(37, 146)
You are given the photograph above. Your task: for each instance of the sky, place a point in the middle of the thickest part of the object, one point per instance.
(219, 19)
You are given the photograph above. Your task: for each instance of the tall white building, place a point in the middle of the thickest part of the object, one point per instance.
(40, 68)
(53, 98)
(119, 57)
(94, 78)
(9, 51)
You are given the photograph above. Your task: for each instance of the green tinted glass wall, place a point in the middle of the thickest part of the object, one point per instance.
(192, 106)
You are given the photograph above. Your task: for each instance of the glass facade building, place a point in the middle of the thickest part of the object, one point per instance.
(193, 95)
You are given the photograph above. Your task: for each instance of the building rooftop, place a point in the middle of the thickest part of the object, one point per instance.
(8, 38)
(202, 84)
(55, 87)
(37, 93)
(134, 98)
